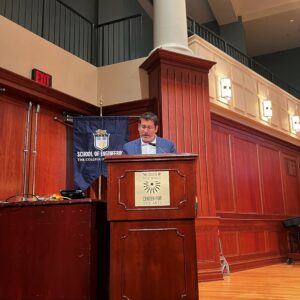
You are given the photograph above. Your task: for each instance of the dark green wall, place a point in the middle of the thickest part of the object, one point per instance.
(234, 34)
(213, 26)
(87, 8)
(110, 10)
(284, 64)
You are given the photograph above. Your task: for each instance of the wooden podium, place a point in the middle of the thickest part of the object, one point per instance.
(151, 210)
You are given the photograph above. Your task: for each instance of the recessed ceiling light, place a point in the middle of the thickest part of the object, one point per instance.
(292, 20)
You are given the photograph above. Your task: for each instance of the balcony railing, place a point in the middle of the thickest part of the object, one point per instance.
(111, 42)
(217, 41)
(53, 21)
(119, 40)
(58, 23)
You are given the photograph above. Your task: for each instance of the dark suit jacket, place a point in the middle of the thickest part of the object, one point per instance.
(162, 146)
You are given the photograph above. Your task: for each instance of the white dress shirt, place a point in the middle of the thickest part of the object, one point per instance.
(148, 149)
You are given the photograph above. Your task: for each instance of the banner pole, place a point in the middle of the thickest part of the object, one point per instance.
(100, 177)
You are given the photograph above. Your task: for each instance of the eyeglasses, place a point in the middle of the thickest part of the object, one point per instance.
(144, 127)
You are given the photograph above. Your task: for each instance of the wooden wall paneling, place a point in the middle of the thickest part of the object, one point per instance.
(259, 136)
(270, 167)
(252, 242)
(276, 241)
(246, 175)
(270, 151)
(271, 179)
(291, 179)
(180, 85)
(208, 250)
(54, 155)
(200, 126)
(13, 114)
(222, 171)
(256, 237)
(230, 243)
(168, 107)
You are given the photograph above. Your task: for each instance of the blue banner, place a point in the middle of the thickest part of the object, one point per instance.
(93, 139)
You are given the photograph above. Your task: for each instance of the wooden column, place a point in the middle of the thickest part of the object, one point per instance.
(180, 85)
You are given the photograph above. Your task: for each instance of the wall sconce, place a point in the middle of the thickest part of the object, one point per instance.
(267, 108)
(225, 88)
(295, 122)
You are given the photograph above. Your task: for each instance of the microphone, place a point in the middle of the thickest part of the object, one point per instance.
(157, 147)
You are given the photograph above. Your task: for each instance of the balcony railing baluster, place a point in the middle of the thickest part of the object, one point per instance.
(218, 42)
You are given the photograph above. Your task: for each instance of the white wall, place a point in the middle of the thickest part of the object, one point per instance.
(122, 82)
(21, 51)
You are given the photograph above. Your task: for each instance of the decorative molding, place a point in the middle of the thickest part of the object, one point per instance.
(176, 59)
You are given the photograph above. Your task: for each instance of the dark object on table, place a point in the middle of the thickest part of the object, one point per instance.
(73, 194)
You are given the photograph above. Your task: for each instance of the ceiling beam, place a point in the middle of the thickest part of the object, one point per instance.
(225, 13)
(147, 6)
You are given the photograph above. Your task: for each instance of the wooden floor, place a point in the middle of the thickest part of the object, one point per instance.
(280, 281)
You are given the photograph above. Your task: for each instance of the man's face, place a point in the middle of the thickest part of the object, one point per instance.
(147, 130)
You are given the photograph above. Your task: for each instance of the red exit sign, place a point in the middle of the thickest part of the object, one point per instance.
(41, 77)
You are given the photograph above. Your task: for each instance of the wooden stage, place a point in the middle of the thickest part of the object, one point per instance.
(281, 281)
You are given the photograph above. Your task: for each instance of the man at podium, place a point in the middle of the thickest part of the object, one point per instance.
(149, 142)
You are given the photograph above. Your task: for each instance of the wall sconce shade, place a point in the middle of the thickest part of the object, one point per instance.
(225, 88)
(296, 123)
(267, 108)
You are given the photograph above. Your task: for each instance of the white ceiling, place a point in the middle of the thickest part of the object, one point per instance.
(270, 25)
